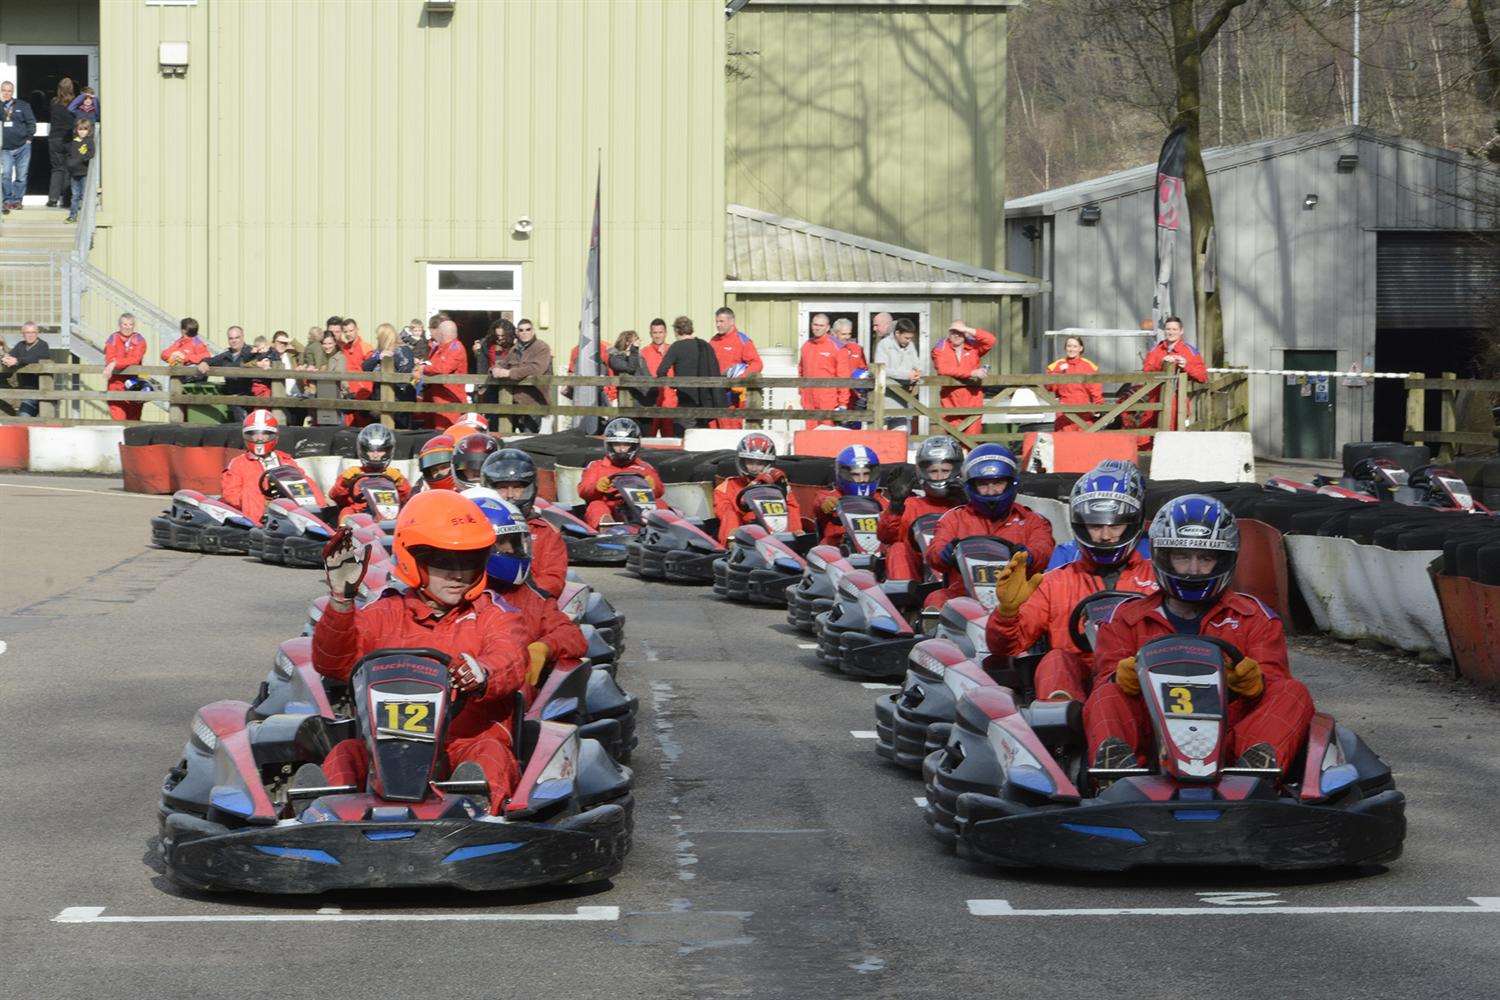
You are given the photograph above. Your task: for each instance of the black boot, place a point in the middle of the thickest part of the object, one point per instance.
(1113, 754)
(1261, 756)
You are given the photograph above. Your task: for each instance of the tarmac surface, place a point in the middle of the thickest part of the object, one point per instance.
(775, 854)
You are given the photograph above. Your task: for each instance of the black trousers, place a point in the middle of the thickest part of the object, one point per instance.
(59, 184)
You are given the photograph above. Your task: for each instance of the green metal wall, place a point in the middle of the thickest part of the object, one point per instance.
(49, 22)
(886, 123)
(315, 155)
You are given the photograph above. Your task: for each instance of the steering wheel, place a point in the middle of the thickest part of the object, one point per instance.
(1081, 609)
(1229, 649)
(265, 483)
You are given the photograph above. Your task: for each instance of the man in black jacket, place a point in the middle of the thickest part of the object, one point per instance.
(29, 351)
(689, 356)
(17, 126)
(238, 355)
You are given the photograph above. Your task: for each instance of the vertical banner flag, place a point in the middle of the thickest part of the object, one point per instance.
(588, 324)
(1169, 172)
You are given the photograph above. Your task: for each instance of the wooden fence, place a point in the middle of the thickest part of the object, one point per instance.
(1447, 387)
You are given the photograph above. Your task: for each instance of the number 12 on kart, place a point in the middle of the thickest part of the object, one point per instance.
(406, 720)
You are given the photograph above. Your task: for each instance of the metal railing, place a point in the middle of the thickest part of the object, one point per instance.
(83, 238)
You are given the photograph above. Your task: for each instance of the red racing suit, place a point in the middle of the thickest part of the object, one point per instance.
(122, 352)
(1155, 362)
(734, 348)
(902, 562)
(192, 349)
(961, 363)
(1065, 668)
(829, 527)
(345, 495)
(732, 516)
(653, 355)
(856, 355)
(549, 556)
(543, 621)
(446, 359)
(1278, 716)
(494, 636)
(1074, 393)
(239, 483)
(1022, 526)
(823, 357)
(602, 504)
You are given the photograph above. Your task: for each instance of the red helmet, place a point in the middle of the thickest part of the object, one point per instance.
(260, 432)
(441, 527)
(755, 447)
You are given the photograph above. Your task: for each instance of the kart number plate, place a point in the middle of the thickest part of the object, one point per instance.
(865, 524)
(773, 508)
(405, 720)
(387, 503)
(1190, 699)
(301, 492)
(640, 497)
(985, 576)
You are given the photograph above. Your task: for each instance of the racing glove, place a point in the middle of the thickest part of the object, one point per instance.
(345, 561)
(538, 653)
(468, 674)
(605, 484)
(1125, 677)
(1244, 679)
(829, 505)
(1014, 587)
(771, 477)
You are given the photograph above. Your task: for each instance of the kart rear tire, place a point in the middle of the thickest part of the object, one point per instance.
(1410, 457)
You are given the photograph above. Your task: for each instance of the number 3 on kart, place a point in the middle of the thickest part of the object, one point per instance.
(1182, 700)
(407, 718)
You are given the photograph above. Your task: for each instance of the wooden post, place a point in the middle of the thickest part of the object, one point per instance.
(1448, 416)
(1416, 407)
(755, 399)
(1180, 391)
(175, 414)
(877, 401)
(387, 390)
(47, 382)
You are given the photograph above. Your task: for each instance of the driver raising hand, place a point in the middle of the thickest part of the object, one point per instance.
(1195, 545)
(622, 446)
(441, 544)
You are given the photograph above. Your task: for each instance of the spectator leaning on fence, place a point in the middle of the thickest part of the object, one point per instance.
(961, 356)
(625, 359)
(355, 351)
(823, 356)
(1074, 393)
(689, 357)
(737, 356)
(1172, 354)
(17, 126)
(31, 350)
(447, 358)
(237, 355)
(528, 358)
(122, 349)
(390, 355)
(652, 354)
(903, 364)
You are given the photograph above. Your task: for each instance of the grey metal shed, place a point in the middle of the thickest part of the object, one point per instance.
(1334, 248)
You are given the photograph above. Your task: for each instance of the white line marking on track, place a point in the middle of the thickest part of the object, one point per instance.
(862, 734)
(1002, 908)
(877, 686)
(95, 915)
(3, 647)
(921, 802)
(807, 645)
(70, 489)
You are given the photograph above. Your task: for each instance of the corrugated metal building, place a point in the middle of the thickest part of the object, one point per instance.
(1334, 248)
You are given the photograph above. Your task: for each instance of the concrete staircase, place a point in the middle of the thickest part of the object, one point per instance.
(34, 228)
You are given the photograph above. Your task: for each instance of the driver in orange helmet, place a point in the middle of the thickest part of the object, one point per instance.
(441, 543)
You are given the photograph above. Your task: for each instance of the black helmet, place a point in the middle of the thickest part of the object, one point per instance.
(622, 441)
(939, 449)
(511, 465)
(469, 456)
(374, 447)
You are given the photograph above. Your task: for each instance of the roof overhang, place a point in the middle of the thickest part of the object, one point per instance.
(945, 289)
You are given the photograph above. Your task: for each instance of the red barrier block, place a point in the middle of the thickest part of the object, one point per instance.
(546, 484)
(15, 447)
(889, 446)
(146, 468)
(199, 468)
(1261, 569)
(1081, 452)
(1471, 613)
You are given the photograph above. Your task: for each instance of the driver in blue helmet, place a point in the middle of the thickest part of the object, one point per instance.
(856, 473)
(1195, 546)
(991, 479)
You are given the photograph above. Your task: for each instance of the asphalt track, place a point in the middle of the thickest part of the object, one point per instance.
(775, 855)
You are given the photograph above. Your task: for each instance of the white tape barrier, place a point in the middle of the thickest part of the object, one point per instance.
(75, 449)
(1367, 592)
(712, 439)
(1207, 456)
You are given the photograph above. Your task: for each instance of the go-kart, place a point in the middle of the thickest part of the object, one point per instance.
(864, 634)
(669, 546)
(232, 820)
(913, 722)
(198, 523)
(766, 556)
(1010, 787)
(602, 625)
(295, 528)
(586, 547)
(814, 593)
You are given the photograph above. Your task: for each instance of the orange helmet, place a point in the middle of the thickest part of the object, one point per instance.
(441, 527)
(469, 423)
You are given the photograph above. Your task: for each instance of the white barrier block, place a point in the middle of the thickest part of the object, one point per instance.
(322, 469)
(1208, 456)
(1040, 459)
(1055, 511)
(1360, 591)
(714, 439)
(567, 479)
(75, 449)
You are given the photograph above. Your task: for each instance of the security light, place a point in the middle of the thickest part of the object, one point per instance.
(1090, 215)
(1348, 162)
(1310, 202)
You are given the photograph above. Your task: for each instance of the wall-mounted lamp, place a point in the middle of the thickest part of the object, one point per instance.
(1348, 162)
(523, 226)
(1031, 232)
(172, 57)
(1090, 215)
(1310, 202)
(439, 6)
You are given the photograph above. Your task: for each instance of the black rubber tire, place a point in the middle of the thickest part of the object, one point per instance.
(1410, 457)
(1487, 564)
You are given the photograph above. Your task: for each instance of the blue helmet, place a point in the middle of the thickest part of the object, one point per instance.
(1198, 524)
(856, 456)
(991, 461)
(506, 568)
(1111, 493)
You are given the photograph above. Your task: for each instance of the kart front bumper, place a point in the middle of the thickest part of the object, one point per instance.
(595, 550)
(752, 581)
(212, 539)
(803, 609)
(905, 734)
(862, 654)
(474, 855)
